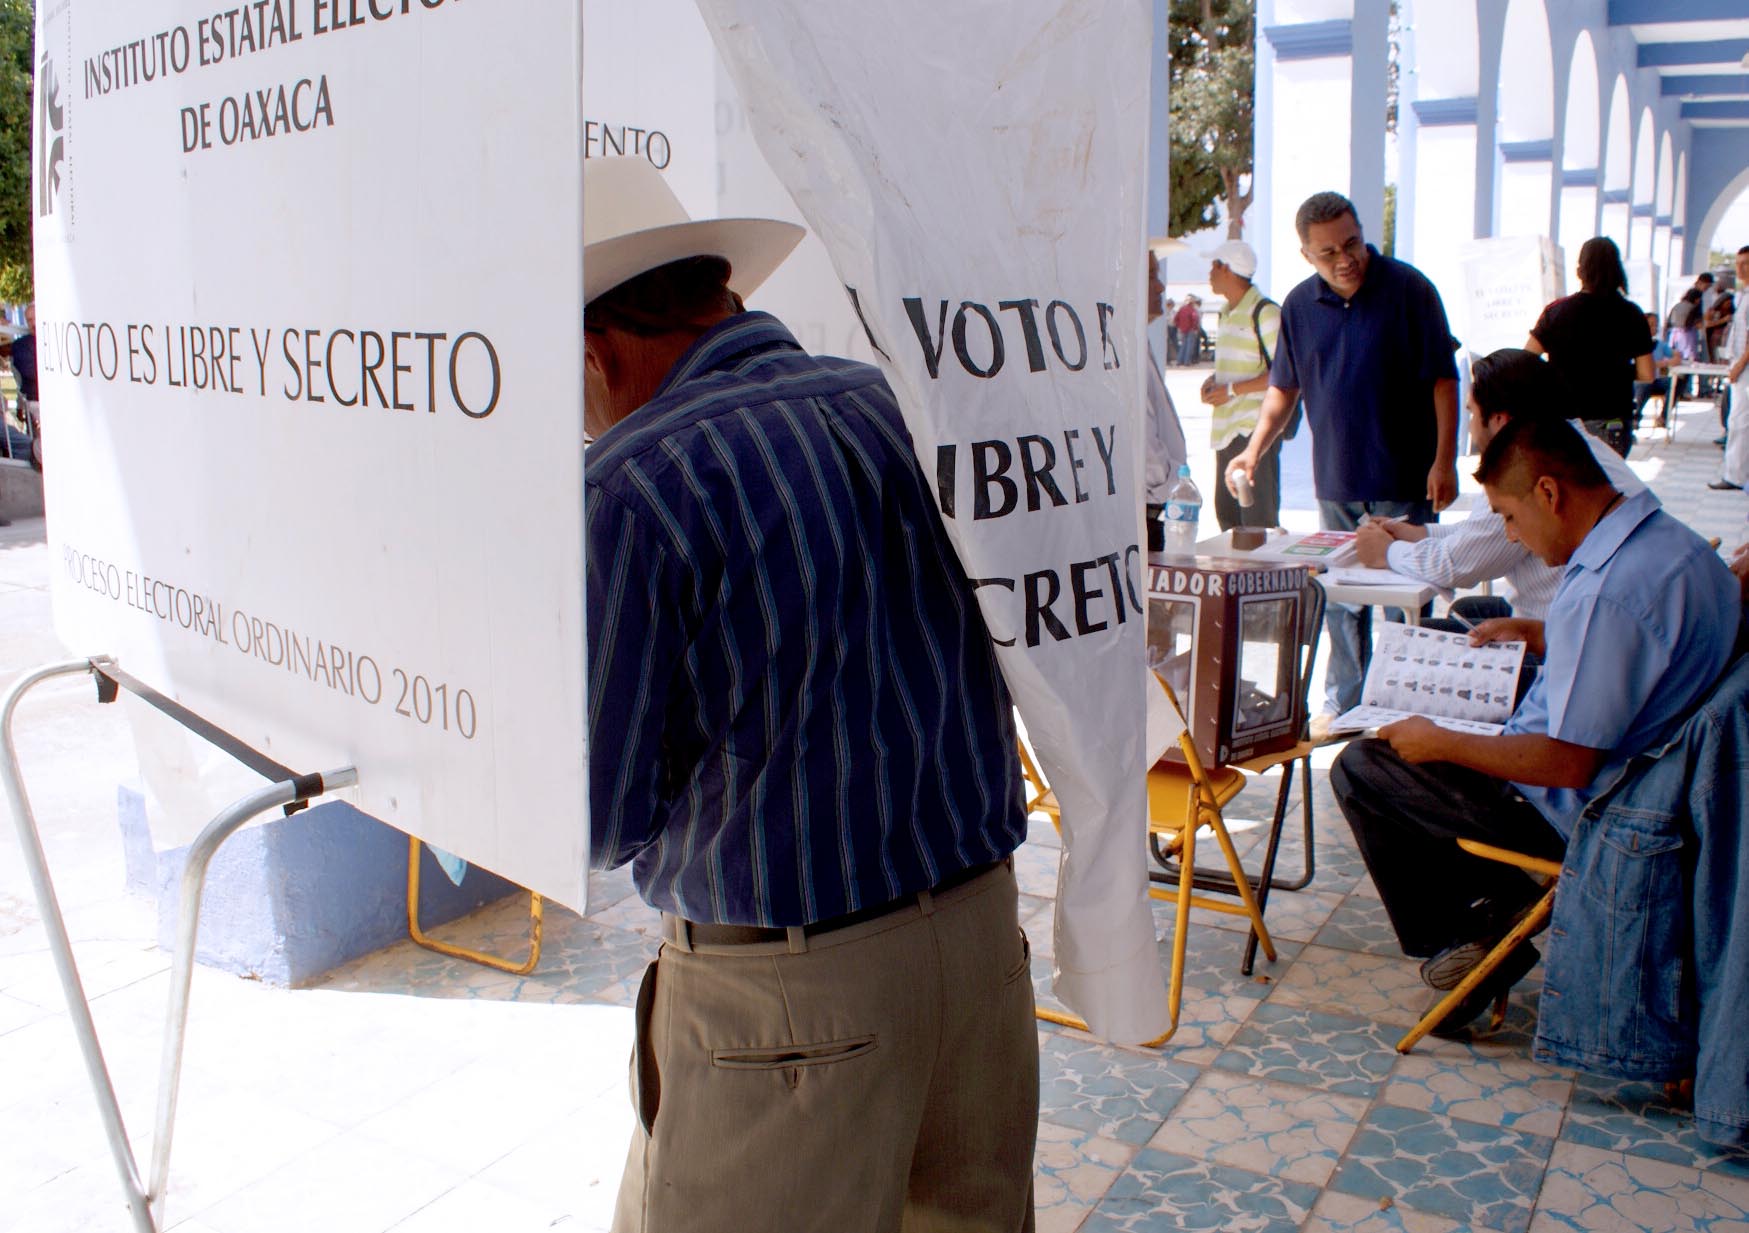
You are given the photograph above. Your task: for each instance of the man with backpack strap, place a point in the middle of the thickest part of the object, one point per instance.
(1244, 350)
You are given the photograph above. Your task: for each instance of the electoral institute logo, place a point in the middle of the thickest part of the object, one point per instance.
(51, 137)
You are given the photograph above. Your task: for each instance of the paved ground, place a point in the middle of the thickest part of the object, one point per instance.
(416, 1093)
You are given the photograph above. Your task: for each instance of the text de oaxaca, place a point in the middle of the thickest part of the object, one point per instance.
(395, 370)
(1030, 473)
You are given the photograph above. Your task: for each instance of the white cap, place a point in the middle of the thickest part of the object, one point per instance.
(1238, 257)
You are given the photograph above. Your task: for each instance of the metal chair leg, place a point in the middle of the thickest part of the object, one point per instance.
(536, 919)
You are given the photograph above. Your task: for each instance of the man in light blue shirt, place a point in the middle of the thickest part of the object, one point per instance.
(1640, 630)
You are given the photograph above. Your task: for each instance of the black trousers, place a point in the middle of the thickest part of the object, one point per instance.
(1407, 819)
(1266, 483)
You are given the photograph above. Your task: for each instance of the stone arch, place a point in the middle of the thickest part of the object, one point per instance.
(1701, 239)
(1617, 168)
(1644, 183)
(1526, 121)
(1581, 135)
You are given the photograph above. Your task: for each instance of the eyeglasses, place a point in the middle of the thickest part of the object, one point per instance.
(1329, 256)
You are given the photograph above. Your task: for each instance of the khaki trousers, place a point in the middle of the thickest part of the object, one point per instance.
(883, 1080)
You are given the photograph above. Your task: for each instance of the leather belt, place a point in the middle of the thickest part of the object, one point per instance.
(705, 934)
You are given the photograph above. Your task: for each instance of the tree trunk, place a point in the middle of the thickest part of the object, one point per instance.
(1236, 204)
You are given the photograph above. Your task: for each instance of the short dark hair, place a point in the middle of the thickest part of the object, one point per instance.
(1744, 249)
(1600, 267)
(1322, 208)
(1705, 276)
(1534, 446)
(682, 295)
(1519, 384)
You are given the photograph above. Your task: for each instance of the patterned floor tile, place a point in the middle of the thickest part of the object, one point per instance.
(1361, 924)
(1212, 958)
(1512, 1092)
(1636, 1118)
(1035, 869)
(1291, 915)
(1115, 1093)
(1160, 1191)
(1072, 1171)
(1273, 1128)
(1480, 1175)
(1292, 1044)
(1346, 1213)
(1207, 1021)
(1590, 1189)
(1385, 989)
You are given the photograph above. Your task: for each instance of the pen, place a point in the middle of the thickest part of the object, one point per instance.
(1468, 625)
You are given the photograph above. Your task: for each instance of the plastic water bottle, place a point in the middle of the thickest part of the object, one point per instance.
(1183, 510)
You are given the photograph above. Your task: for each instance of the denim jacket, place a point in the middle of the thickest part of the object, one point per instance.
(1648, 959)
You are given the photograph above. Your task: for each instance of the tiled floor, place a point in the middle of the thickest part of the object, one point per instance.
(426, 1095)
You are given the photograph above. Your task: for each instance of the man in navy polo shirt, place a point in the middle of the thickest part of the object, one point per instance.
(1365, 342)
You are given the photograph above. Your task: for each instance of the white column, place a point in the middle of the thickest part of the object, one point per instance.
(1444, 217)
(1640, 233)
(1617, 215)
(1578, 216)
(1526, 186)
(1309, 148)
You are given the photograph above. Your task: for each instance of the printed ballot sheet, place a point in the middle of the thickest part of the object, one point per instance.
(1439, 676)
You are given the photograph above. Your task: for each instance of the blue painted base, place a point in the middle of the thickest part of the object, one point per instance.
(288, 899)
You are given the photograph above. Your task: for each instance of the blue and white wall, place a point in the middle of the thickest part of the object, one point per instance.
(1558, 118)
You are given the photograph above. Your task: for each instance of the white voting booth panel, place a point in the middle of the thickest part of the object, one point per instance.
(990, 216)
(309, 300)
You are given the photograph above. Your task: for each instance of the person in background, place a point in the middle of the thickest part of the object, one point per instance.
(1684, 322)
(1189, 324)
(1163, 435)
(1171, 313)
(1663, 358)
(24, 364)
(1598, 340)
(1735, 473)
(1506, 385)
(1365, 340)
(1245, 343)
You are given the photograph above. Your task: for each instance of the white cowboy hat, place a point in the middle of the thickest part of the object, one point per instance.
(633, 223)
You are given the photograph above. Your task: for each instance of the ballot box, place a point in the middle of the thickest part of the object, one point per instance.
(1225, 635)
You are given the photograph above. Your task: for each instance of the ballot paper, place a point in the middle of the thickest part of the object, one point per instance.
(1439, 676)
(1321, 549)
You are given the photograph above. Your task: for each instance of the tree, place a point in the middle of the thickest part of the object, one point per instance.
(1213, 85)
(17, 62)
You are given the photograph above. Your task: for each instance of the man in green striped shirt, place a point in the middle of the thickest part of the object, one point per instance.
(1244, 349)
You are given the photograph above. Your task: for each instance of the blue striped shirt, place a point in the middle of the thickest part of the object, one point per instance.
(794, 706)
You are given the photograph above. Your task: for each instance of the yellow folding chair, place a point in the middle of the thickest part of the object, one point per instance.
(1181, 801)
(1520, 932)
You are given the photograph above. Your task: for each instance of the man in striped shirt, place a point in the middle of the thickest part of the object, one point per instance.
(1244, 346)
(800, 738)
(1506, 385)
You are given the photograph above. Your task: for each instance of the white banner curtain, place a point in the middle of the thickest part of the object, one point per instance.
(976, 171)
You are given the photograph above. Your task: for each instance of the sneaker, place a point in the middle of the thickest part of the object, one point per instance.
(1446, 970)
(1725, 485)
(1512, 969)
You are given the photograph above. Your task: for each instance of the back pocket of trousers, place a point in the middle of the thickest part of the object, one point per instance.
(786, 1057)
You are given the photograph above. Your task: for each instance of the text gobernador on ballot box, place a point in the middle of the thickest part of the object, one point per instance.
(309, 316)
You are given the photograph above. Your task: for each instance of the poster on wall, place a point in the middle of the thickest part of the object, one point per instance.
(1508, 280)
(990, 224)
(309, 282)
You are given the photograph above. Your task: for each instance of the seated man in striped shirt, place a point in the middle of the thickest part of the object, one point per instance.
(1507, 385)
(799, 736)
